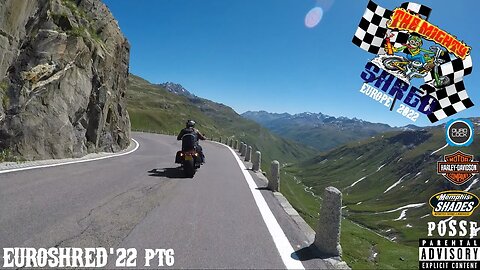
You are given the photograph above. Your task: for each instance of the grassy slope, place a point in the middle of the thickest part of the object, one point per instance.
(152, 108)
(358, 243)
(323, 135)
(403, 153)
(326, 137)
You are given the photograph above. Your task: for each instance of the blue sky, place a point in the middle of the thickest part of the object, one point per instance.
(259, 55)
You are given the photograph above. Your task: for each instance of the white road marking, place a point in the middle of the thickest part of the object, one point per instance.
(279, 238)
(71, 162)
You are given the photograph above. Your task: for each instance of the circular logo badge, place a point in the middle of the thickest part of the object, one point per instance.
(459, 132)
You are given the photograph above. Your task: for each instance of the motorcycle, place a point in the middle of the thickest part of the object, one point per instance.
(417, 69)
(189, 158)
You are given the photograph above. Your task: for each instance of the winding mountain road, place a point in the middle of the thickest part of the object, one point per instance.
(218, 219)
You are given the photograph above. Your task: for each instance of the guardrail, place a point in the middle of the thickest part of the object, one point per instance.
(327, 233)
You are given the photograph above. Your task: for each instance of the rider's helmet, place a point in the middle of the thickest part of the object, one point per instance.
(190, 123)
(415, 41)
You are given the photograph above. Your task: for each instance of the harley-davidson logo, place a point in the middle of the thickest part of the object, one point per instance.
(458, 167)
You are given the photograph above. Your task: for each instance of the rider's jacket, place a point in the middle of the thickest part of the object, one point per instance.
(198, 135)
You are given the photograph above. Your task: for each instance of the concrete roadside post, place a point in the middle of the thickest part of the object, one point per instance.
(243, 150)
(274, 182)
(248, 155)
(327, 234)
(257, 160)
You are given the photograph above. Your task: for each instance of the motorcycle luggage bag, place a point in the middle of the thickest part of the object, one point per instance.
(178, 157)
(188, 142)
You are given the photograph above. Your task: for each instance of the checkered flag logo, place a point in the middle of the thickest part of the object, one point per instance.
(372, 28)
(371, 34)
(400, 38)
(454, 68)
(452, 98)
(421, 10)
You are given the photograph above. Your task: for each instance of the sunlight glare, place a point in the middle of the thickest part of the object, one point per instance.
(313, 17)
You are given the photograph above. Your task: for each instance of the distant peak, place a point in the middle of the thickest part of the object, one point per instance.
(313, 118)
(177, 89)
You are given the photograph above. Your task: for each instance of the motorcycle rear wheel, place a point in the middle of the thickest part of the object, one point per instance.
(189, 168)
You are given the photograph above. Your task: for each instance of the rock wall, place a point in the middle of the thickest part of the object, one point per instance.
(63, 78)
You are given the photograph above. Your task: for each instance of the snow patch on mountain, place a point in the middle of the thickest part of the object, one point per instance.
(396, 183)
(356, 182)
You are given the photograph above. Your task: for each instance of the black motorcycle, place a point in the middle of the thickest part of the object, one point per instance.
(189, 157)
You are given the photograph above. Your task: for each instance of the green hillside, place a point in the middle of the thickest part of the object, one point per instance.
(317, 130)
(377, 176)
(153, 108)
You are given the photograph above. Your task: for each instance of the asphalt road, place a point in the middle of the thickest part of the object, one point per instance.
(142, 201)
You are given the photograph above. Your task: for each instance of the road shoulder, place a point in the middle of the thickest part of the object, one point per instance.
(7, 167)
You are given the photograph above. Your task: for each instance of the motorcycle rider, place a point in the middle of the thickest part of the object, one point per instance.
(190, 129)
(414, 51)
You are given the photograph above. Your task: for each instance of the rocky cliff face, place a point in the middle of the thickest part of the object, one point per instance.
(63, 77)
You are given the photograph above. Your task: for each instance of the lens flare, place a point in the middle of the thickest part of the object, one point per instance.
(313, 17)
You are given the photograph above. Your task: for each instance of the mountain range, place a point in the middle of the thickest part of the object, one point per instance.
(164, 108)
(320, 131)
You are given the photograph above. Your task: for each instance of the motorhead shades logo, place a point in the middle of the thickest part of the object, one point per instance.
(459, 132)
(408, 47)
(458, 167)
(453, 203)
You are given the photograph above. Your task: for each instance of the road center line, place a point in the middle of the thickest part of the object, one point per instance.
(279, 238)
(72, 162)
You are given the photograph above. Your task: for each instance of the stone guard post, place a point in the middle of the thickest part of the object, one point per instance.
(257, 160)
(244, 150)
(248, 155)
(274, 182)
(327, 237)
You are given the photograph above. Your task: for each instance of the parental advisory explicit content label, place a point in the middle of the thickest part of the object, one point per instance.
(458, 253)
